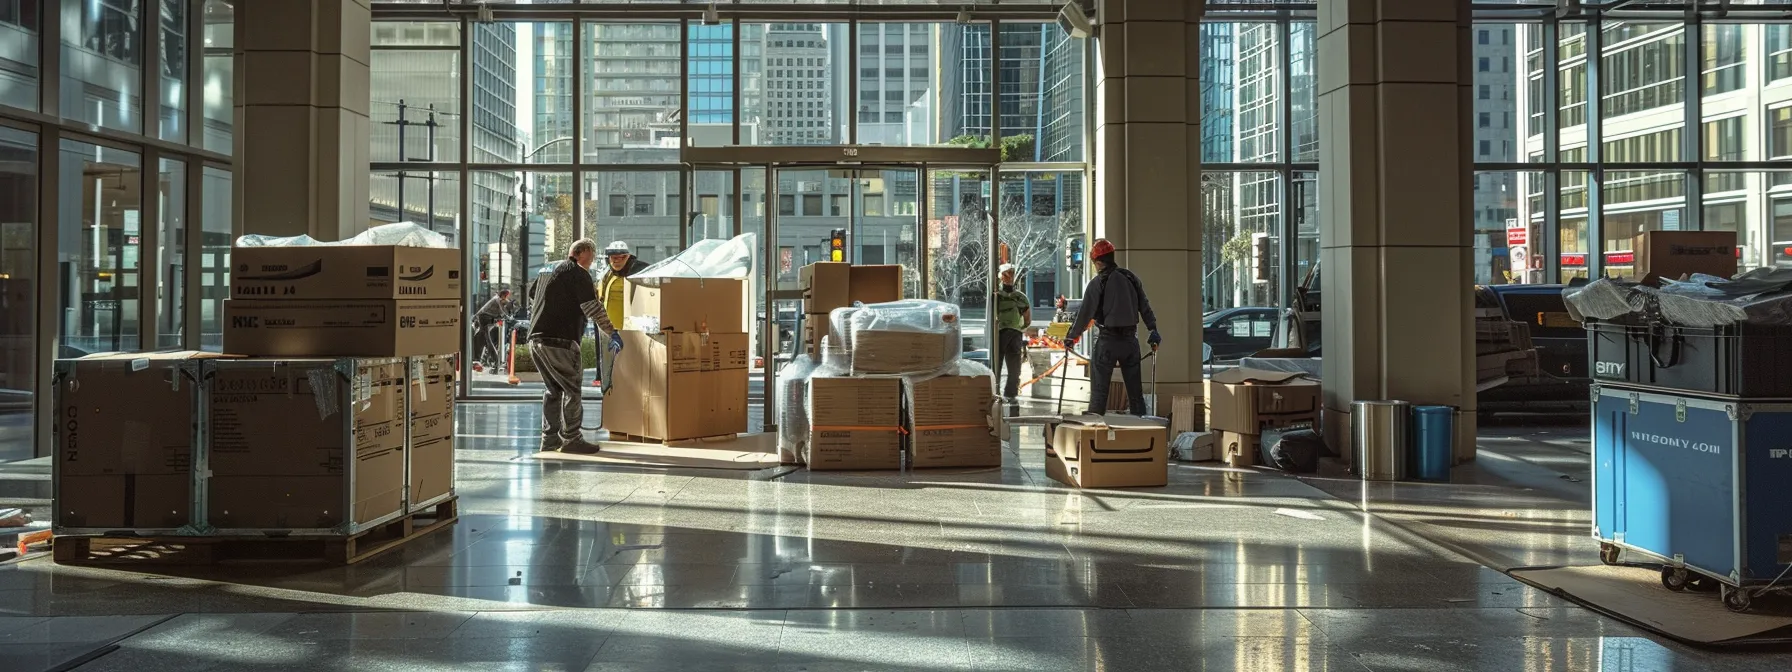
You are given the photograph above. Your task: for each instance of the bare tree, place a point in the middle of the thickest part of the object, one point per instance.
(961, 266)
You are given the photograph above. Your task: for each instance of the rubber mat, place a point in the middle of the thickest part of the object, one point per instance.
(743, 453)
(1635, 595)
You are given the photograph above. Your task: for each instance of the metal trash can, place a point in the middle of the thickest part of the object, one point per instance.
(1433, 442)
(1381, 438)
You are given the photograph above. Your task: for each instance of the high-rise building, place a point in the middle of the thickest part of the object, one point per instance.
(799, 86)
(896, 84)
(1496, 193)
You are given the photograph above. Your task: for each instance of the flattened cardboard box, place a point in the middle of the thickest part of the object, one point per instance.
(880, 351)
(431, 403)
(122, 413)
(1110, 451)
(1244, 400)
(284, 433)
(688, 305)
(341, 328)
(855, 423)
(345, 272)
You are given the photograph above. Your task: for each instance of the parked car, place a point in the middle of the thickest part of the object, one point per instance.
(1234, 333)
(1561, 346)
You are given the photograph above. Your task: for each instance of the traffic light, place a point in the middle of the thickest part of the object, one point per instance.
(1261, 263)
(485, 268)
(837, 245)
(1073, 254)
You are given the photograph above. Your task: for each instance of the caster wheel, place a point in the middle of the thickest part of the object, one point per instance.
(1608, 553)
(1736, 599)
(1675, 578)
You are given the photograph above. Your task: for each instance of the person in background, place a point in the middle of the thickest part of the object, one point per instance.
(1115, 302)
(1014, 313)
(611, 289)
(564, 301)
(491, 345)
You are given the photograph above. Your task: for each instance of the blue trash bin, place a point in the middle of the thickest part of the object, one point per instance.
(1433, 445)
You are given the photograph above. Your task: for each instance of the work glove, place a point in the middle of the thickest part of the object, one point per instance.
(1070, 343)
(615, 341)
(1155, 339)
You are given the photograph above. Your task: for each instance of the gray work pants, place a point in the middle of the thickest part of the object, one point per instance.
(562, 405)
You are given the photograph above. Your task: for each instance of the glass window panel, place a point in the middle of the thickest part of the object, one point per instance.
(1642, 68)
(1219, 81)
(710, 100)
(1724, 51)
(429, 198)
(173, 43)
(100, 243)
(19, 291)
(512, 243)
(19, 38)
(1497, 97)
(1778, 40)
(958, 254)
(1638, 201)
(1572, 240)
(415, 106)
(633, 99)
(214, 264)
(1041, 70)
(1507, 230)
(1303, 76)
(171, 230)
(217, 98)
(102, 63)
(1236, 208)
(1258, 96)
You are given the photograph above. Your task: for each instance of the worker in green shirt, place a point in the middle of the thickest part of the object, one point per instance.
(1014, 313)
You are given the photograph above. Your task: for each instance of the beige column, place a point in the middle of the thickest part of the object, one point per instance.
(301, 86)
(1148, 167)
(1394, 207)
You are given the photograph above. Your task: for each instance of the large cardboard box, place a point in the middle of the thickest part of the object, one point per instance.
(1672, 254)
(306, 443)
(949, 422)
(345, 272)
(341, 328)
(711, 305)
(855, 423)
(1238, 450)
(678, 385)
(430, 468)
(1244, 400)
(125, 435)
(1113, 451)
(880, 351)
(828, 285)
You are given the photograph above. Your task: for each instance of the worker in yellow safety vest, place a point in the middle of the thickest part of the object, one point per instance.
(610, 289)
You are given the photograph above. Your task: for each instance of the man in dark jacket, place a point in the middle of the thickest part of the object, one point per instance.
(1114, 301)
(564, 301)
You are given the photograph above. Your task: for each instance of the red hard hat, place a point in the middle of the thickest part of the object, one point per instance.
(1101, 248)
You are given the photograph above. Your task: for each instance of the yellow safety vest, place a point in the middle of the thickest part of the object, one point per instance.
(611, 291)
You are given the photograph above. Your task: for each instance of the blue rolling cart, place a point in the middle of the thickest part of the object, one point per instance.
(1703, 483)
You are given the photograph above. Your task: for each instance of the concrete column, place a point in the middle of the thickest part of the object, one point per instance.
(1148, 167)
(301, 85)
(1394, 207)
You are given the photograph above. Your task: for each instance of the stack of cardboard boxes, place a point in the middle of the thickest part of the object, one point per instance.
(1242, 403)
(682, 372)
(830, 285)
(331, 411)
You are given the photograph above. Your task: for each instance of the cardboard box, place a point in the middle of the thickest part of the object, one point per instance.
(949, 422)
(1113, 451)
(345, 272)
(320, 422)
(430, 389)
(128, 413)
(341, 328)
(673, 386)
(1238, 450)
(879, 351)
(687, 305)
(1244, 400)
(1673, 254)
(124, 502)
(855, 423)
(1188, 413)
(828, 285)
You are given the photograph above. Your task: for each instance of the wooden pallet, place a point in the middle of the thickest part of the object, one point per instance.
(170, 550)
(636, 438)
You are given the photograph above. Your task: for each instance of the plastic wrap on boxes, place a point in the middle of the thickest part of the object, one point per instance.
(903, 337)
(793, 403)
(1760, 296)
(837, 360)
(403, 234)
(732, 258)
(840, 327)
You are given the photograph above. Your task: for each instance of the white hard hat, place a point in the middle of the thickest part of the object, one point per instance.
(617, 247)
(1007, 267)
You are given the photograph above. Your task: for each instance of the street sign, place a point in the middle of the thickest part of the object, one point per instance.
(1517, 235)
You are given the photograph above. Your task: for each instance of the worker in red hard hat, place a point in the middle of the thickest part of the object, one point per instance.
(1115, 301)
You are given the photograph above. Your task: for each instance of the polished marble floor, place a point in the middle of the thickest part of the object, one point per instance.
(558, 566)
